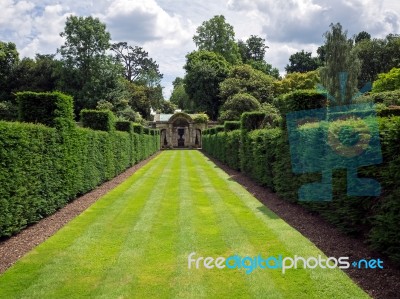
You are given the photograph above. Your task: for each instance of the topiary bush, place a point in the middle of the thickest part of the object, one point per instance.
(231, 126)
(46, 108)
(102, 120)
(124, 126)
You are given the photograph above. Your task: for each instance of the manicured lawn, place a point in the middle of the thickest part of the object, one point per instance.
(135, 241)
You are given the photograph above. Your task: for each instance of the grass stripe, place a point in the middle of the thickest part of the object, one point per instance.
(135, 241)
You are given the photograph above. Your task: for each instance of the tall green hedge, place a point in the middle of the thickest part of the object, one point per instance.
(44, 107)
(103, 120)
(264, 155)
(43, 168)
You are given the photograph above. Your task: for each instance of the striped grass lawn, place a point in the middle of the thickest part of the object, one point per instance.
(135, 241)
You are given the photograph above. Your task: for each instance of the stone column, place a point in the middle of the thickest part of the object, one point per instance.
(191, 144)
(169, 135)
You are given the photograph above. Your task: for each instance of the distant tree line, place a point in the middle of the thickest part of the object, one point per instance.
(96, 72)
(224, 77)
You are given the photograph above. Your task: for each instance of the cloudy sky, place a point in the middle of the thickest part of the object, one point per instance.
(165, 28)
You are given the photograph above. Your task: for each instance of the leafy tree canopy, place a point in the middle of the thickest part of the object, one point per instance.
(302, 62)
(245, 79)
(233, 108)
(387, 81)
(205, 70)
(216, 35)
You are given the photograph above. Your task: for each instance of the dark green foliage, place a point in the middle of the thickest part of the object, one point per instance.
(124, 125)
(102, 120)
(232, 144)
(300, 100)
(385, 234)
(137, 128)
(252, 120)
(390, 111)
(264, 156)
(231, 125)
(43, 168)
(45, 108)
(386, 97)
(219, 129)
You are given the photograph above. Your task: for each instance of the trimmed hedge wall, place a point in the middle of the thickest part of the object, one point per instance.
(103, 120)
(264, 155)
(44, 108)
(43, 168)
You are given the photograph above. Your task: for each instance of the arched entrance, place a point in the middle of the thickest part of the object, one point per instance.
(181, 133)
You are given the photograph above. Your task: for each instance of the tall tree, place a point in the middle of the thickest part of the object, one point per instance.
(204, 72)
(363, 35)
(252, 49)
(179, 97)
(252, 52)
(89, 72)
(245, 79)
(302, 62)
(9, 58)
(136, 62)
(40, 74)
(342, 67)
(216, 35)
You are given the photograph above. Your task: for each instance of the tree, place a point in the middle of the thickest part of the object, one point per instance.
(252, 49)
(9, 58)
(363, 35)
(321, 54)
(136, 62)
(245, 79)
(204, 72)
(370, 53)
(167, 107)
(302, 62)
(342, 66)
(88, 73)
(252, 52)
(215, 35)
(233, 108)
(179, 97)
(296, 81)
(40, 74)
(387, 81)
(138, 99)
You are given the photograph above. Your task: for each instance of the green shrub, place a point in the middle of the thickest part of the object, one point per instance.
(232, 144)
(102, 120)
(231, 126)
(387, 98)
(138, 128)
(252, 120)
(45, 107)
(387, 81)
(389, 111)
(124, 126)
(300, 100)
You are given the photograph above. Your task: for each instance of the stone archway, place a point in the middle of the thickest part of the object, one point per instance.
(181, 132)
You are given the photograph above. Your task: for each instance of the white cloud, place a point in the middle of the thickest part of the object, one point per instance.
(47, 39)
(15, 18)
